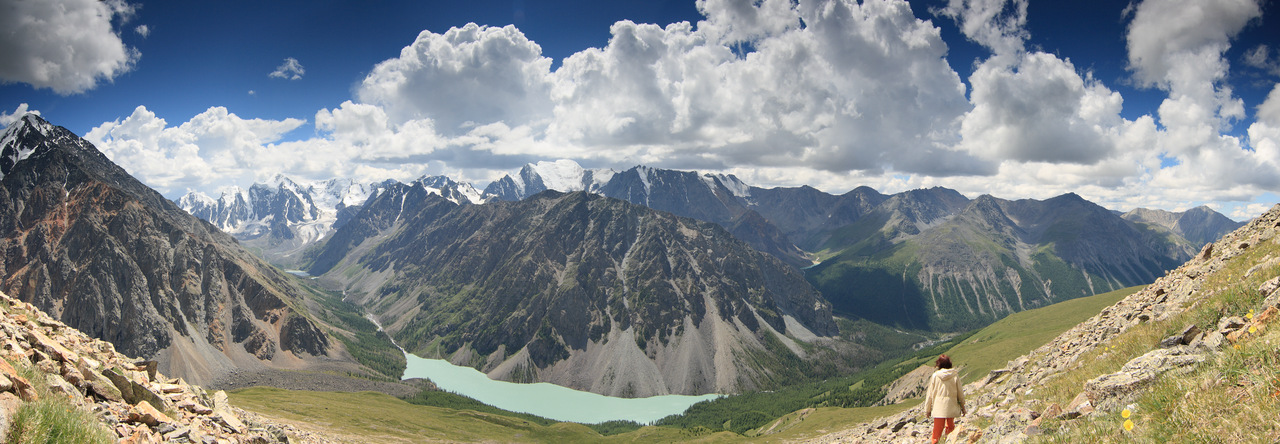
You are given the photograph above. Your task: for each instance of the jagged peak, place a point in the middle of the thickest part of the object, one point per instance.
(193, 198)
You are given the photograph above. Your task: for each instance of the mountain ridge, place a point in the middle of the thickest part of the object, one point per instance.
(568, 280)
(104, 253)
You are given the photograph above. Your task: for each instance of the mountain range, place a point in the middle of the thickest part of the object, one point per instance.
(280, 218)
(633, 283)
(98, 250)
(577, 289)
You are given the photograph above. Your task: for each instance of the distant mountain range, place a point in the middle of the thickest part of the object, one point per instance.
(101, 252)
(927, 259)
(280, 218)
(632, 283)
(577, 289)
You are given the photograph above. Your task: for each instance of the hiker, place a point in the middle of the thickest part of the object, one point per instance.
(944, 400)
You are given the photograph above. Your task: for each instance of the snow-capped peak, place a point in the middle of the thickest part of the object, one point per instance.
(456, 192)
(562, 175)
(10, 151)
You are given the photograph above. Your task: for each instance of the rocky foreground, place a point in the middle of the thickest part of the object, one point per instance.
(129, 397)
(1001, 411)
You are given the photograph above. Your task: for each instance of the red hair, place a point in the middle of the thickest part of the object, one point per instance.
(943, 362)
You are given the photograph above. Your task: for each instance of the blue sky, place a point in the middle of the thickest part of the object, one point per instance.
(1158, 103)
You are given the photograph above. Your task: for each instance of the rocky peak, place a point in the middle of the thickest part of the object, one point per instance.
(103, 253)
(561, 175)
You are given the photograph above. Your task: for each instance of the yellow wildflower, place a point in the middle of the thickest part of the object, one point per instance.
(1128, 425)
(1126, 414)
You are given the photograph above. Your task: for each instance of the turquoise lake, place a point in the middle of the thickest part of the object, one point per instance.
(547, 400)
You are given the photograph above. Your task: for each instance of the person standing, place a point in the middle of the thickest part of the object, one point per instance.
(944, 399)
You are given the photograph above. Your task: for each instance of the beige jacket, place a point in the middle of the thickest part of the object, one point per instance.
(945, 398)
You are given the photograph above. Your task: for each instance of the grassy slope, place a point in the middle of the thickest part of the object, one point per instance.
(1233, 398)
(1019, 333)
(376, 417)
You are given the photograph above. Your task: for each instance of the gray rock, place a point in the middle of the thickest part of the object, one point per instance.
(1116, 388)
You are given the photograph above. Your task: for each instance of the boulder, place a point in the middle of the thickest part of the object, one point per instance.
(1205, 253)
(131, 391)
(1119, 387)
(8, 407)
(144, 413)
(58, 385)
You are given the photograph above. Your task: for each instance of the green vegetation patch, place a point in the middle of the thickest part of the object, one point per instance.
(368, 345)
(1022, 332)
(53, 418)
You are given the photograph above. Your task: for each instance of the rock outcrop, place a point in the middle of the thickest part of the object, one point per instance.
(132, 400)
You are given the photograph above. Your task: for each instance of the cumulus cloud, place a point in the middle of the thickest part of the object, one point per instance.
(830, 93)
(746, 20)
(996, 24)
(859, 87)
(1179, 48)
(1176, 43)
(289, 69)
(468, 75)
(1040, 109)
(215, 147)
(143, 30)
(64, 45)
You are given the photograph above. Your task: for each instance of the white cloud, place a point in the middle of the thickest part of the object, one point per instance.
(1040, 110)
(289, 69)
(860, 94)
(143, 30)
(213, 149)
(21, 110)
(63, 45)
(1167, 38)
(469, 75)
(837, 94)
(746, 20)
(996, 24)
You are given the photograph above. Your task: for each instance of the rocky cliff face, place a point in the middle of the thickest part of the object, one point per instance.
(1195, 317)
(576, 289)
(103, 253)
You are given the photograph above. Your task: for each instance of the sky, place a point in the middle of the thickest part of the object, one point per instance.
(1165, 104)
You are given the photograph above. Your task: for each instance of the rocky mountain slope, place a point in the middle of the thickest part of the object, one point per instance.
(103, 253)
(1189, 358)
(930, 259)
(281, 218)
(878, 260)
(577, 289)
